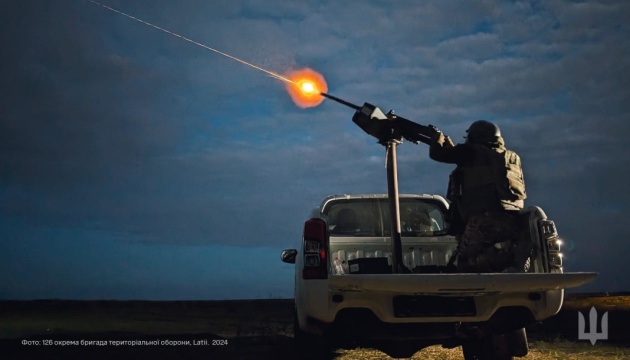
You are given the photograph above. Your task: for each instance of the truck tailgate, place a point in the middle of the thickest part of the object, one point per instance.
(458, 283)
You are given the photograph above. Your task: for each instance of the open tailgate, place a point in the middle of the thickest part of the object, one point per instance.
(459, 283)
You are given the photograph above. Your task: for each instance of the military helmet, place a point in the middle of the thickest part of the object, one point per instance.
(482, 131)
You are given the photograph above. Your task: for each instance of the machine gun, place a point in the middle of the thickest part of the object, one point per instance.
(390, 129)
(387, 127)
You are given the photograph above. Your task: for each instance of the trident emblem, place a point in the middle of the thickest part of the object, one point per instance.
(592, 335)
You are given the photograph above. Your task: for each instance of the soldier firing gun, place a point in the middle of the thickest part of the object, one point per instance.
(390, 129)
(486, 189)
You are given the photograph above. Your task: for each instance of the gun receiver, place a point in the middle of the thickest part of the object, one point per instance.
(387, 127)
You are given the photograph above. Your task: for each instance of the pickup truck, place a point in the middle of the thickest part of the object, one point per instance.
(346, 293)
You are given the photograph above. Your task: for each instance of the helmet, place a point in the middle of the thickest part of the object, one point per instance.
(482, 131)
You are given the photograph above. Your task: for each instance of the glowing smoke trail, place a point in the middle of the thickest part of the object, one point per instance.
(272, 74)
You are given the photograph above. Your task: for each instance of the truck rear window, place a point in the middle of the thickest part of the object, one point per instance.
(370, 217)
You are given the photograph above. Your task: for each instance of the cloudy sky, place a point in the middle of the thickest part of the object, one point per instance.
(135, 165)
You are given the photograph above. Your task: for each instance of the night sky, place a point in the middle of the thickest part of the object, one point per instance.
(135, 165)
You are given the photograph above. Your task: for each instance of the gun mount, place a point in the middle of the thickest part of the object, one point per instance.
(389, 130)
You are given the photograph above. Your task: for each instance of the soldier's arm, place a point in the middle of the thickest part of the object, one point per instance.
(443, 150)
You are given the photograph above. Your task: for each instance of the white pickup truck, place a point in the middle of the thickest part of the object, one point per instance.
(346, 292)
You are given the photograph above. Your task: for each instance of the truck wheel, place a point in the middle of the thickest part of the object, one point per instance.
(484, 349)
(517, 342)
(497, 347)
(309, 346)
(473, 350)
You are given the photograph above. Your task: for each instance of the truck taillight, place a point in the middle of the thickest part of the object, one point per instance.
(550, 234)
(315, 252)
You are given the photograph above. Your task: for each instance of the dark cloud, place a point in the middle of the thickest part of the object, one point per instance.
(112, 126)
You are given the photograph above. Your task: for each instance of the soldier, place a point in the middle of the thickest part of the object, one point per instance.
(486, 191)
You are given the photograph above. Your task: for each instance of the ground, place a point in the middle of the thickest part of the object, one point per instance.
(248, 329)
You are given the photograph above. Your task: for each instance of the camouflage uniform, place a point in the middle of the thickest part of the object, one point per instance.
(486, 192)
(486, 243)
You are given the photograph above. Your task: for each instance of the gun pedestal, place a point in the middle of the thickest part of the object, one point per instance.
(374, 122)
(389, 130)
(394, 205)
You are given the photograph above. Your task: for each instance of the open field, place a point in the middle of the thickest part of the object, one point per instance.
(246, 329)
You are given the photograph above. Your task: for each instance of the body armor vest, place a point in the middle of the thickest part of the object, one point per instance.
(493, 182)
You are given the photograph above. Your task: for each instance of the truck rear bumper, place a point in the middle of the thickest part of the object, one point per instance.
(381, 315)
(413, 300)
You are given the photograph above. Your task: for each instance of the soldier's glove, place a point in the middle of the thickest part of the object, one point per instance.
(443, 141)
(448, 142)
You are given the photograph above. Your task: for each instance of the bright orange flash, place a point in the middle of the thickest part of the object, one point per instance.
(306, 87)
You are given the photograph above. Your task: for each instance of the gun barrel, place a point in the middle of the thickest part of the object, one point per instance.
(343, 102)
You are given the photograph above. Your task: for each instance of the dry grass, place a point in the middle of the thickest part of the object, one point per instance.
(603, 303)
(560, 350)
